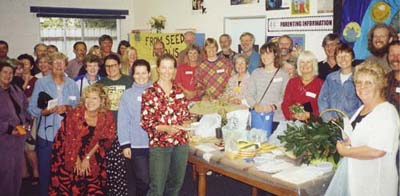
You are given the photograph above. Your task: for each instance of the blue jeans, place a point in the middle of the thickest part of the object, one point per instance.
(167, 170)
(44, 155)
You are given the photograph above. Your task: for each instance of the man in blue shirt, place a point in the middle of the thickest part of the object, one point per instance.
(246, 43)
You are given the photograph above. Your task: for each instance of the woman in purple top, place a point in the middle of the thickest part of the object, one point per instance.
(13, 114)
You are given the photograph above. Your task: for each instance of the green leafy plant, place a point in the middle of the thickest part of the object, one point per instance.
(312, 140)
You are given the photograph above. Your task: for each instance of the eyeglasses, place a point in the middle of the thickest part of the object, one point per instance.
(367, 83)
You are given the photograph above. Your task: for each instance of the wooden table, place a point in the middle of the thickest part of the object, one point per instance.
(249, 175)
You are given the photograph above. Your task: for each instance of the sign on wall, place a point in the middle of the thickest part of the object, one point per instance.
(143, 42)
(307, 23)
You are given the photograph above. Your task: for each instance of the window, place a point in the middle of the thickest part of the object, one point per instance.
(64, 32)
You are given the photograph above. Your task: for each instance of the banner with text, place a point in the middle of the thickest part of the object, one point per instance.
(143, 42)
(308, 23)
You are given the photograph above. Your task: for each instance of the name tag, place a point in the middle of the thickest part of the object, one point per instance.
(310, 94)
(220, 70)
(277, 80)
(189, 72)
(139, 98)
(179, 96)
(73, 98)
(397, 89)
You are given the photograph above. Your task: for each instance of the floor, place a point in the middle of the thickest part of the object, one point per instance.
(217, 185)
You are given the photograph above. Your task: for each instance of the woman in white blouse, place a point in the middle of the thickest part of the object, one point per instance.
(369, 151)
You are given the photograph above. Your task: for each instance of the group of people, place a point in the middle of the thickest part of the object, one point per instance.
(112, 124)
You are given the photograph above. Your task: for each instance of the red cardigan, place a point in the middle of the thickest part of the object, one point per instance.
(298, 93)
(69, 140)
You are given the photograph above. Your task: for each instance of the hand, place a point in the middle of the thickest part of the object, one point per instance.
(85, 167)
(260, 108)
(172, 129)
(127, 153)
(47, 112)
(189, 94)
(302, 116)
(77, 167)
(343, 146)
(235, 100)
(61, 109)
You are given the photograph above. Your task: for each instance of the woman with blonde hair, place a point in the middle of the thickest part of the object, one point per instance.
(368, 166)
(78, 164)
(128, 57)
(304, 89)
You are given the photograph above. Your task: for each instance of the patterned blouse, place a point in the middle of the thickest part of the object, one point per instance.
(158, 108)
(212, 77)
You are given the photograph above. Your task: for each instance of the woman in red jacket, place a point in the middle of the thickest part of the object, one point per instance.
(78, 158)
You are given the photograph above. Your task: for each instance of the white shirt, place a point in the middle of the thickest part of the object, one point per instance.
(379, 130)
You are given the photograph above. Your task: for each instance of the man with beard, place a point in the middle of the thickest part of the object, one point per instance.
(330, 43)
(285, 45)
(225, 41)
(246, 43)
(393, 77)
(76, 64)
(379, 38)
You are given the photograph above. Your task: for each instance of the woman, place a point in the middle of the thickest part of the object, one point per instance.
(64, 95)
(122, 46)
(91, 63)
(95, 50)
(44, 66)
(127, 59)
(269, 72)
(78, 166)
(13, 114)
(185, 74)
(213, 73)
(238, 83)
(289, 66)
(29, 84)
(164, 113)
(369, 151)
(303, 90)
(338, 90)
(133, 139)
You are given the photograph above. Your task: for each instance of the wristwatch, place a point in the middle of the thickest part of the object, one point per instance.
(87, 157)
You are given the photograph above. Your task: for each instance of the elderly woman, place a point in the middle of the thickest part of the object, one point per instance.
(78, 165)
(338, 89)
(164, 113)
(185, 74)
(269, 74)
(91, 63)
(369, 151)
(304, 89)
(64, 95)
(127, 60)
(239, 82)
(213, 74)
(13, 114)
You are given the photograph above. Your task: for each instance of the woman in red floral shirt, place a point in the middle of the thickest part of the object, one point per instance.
(78, 165)
(164, 113)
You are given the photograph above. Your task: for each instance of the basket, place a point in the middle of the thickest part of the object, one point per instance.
(344, 115)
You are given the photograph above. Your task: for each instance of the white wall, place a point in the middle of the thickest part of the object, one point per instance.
(180, 16)
(20, 28)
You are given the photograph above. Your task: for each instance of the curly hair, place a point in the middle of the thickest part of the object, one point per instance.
(376, 72)
(98, 89)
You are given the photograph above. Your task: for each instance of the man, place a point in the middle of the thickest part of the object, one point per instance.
(3, 50)
(379, 38)
(393, 77)
(285, 45)
(39, 50)
(51, 49)
(189, 39)
(158, 52)
(76, 64)
(247, 43)
(330, 43)
(105, 43)
(225, 41)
